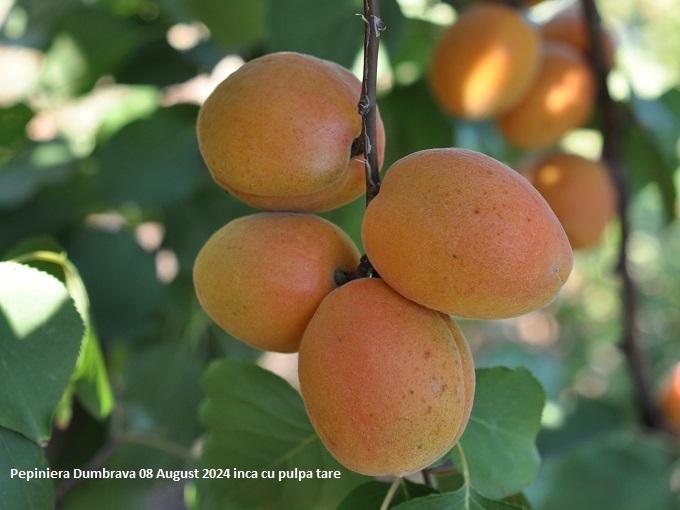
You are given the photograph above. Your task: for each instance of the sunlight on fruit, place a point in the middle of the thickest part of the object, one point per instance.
(486, 77)
(561, 96)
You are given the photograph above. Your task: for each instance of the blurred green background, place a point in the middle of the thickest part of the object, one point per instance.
(98, 102)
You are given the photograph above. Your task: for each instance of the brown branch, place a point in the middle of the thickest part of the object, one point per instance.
(374, 26)
(611, 154)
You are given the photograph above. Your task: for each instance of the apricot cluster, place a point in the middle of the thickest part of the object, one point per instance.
(387, 377)
(535, 81)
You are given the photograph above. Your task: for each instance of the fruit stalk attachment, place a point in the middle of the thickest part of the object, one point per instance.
(611, 154)
(367, 141)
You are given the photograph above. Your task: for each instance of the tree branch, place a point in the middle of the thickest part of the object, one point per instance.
(611, 154)
(374, 26)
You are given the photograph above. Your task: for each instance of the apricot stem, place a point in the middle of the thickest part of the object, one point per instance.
(650, 415)
(390, 493)
(367, 141)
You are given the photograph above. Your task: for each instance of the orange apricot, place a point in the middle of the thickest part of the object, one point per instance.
(560, 99)
(387, 383)
(579, 191)
(459, 232)
(278, 133)
(261, 277)
(485, 62)
(670, 400)
(568, 26)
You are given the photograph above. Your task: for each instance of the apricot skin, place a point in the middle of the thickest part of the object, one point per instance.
(459, 232)
(670, 400)
(485, 62)
(579, 191)
(569, 27)
(261, 277)
(384, 382)
(277, 134)
(560, 99)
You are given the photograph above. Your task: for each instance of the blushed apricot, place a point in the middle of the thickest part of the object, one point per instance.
(387, 383)
(579, 191)
(462, 233)
(568, 26)
(670, 400)
(485, 62)
(560, 99)
(261, 277)
(277, 134)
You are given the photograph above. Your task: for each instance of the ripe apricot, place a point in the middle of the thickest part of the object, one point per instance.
(459, 232)
(579, 191)
(670, 400)
(277, 134)
(387, 383)
(568, 26)
(485, 62)
(560, 99)
(261, 277)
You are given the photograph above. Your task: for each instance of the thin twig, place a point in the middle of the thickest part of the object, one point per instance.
(374, 26)
(611, 154)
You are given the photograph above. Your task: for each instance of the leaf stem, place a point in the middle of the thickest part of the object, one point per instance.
(390, 493)
(611, 154)
(460, 455)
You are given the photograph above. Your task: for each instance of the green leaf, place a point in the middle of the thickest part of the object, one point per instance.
(299, 25)
(462, 499)
(13, 122)
(372, 494)
(617, 471)
(231, 22)
(650, 149)
(17, 452)
(89, 43)
(152, 162)
(256, 421)
(90, 381)
(413, 121)
(31, 168)
(120, 278)
(499, 441)
(40, 336)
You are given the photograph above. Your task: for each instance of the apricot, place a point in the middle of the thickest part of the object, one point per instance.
(277, 134)
(568, 26)
(669, 398)
(579, 191)
(459, 232)
(388, 384)
(560, 99)
(485, 62)
(261, 277)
